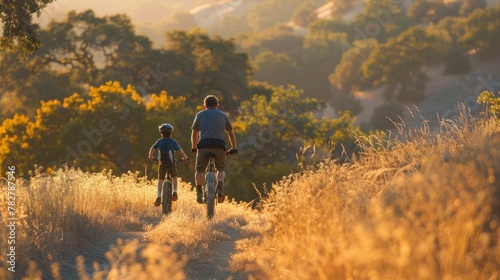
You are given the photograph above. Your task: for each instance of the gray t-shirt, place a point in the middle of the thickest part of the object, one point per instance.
(212, 123)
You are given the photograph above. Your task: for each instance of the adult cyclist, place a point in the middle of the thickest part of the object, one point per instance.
(208, 131)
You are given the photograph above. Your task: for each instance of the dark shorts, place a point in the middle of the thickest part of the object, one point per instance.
(202, 158)
(165, 167)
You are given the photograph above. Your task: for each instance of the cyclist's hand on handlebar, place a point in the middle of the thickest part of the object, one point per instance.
(194, 150)
(232, 151)
(185, 158)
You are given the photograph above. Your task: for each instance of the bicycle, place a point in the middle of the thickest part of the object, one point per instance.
(209, 188)
(166, 193)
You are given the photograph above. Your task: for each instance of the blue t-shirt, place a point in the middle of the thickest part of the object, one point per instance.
(165, 146)
(160, 141)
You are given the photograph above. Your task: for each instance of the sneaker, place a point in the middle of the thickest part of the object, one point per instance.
(199, 195)
(174, 196)
(220, 195)
(158, 201)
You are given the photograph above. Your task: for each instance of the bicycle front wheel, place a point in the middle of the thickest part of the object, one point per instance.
(166, 203)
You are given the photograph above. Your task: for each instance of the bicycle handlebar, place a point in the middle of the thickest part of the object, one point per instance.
(177, 159)
(228, 152)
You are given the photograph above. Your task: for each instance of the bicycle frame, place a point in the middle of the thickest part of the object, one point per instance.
(166, 201)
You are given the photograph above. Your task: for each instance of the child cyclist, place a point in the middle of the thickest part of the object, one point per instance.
(167, 146)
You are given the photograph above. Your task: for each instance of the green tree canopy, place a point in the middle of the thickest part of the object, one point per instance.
(427, 11)
(79, 51)
(469, 6)
(199, 64)
(322, 53)
(305, 14)
(398, 62)
(20, 32)
(381, 19)
(457, 60)
(348, 75)
(482, 32)
(95, 49)
(276, 69)
(274, 132)
(268, 13)
(277, 124)
(277, 40)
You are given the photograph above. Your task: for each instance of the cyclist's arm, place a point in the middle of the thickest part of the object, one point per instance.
(183, 154)
(195, 134)
(232, 139)
(151, 152)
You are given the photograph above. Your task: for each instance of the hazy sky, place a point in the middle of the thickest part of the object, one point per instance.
(138, 10)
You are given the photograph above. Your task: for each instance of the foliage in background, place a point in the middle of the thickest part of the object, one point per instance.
(63, 104)
(274, 130)
(399, 62)
(20, 32)
(482, 32)
(114, 128)
(491, 101)
(276, 69)
(348, 74)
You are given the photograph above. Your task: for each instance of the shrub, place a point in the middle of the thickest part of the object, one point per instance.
(492, 102)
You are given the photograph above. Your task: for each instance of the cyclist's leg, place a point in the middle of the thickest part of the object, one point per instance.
(172, 170)
(201, 165)
(162, 172)
(220, 165)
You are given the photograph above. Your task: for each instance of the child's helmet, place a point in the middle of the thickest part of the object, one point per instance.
(166, 127)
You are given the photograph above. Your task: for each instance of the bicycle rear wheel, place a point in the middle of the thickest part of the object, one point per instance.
(166, 203)
(210, 195)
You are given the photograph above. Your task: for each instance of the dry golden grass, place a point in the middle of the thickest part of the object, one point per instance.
(59, 211)
(70, 209)
(417, 206)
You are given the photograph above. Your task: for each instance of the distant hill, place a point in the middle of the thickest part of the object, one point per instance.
(210, 13)
(442, 95)
(138, 10)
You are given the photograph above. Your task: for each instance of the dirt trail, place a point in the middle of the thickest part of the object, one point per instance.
(95, 251)
(214, 264)
(211, 264)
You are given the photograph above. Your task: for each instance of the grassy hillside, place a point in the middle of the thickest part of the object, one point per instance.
(414, 205)
(77, 225)
(420, 206)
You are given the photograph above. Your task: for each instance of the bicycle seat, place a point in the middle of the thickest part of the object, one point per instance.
(210, 155)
